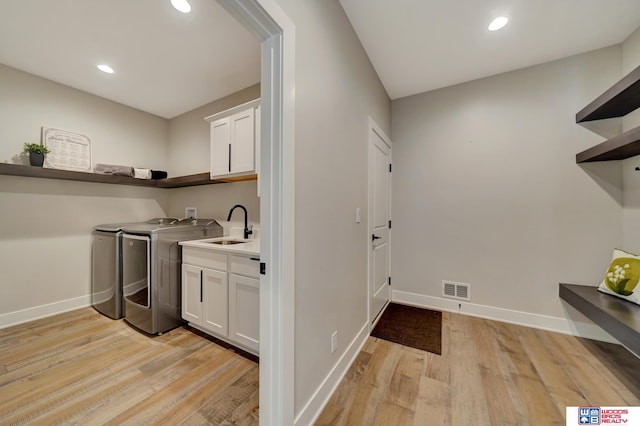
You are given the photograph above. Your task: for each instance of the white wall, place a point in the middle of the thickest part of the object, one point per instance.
(45, 224)
(486, 189)
(336, 90)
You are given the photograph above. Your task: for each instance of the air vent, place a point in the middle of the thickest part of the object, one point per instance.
(456, 290)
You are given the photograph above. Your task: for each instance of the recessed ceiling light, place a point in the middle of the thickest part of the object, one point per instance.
(182, 5)
(498, 23)
(105, 68)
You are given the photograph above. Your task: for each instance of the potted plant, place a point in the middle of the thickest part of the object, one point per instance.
(36, 153)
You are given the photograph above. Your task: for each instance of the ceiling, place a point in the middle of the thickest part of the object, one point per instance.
(166, 62)
(421, 45)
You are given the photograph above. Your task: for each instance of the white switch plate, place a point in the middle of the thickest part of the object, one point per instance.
(190, 212)
(334, 341)
(358, 215)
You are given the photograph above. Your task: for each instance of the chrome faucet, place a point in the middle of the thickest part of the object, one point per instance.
(247, 231)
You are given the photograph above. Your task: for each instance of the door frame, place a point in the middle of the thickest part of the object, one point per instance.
(374, 128)
(266, 20)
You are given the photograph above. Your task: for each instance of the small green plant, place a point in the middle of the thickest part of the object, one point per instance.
(36, 148)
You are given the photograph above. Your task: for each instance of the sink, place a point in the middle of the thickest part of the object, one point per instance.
(226, 242)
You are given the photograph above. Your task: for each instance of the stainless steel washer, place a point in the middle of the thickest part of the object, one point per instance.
(151, 262)
(106, 267)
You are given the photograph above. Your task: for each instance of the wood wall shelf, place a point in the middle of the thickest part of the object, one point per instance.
(623, 146)
(174, 182)
(622, 98)
(617, 317)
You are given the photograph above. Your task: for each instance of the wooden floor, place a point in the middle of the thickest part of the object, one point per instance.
(490, 373)
(83, 368)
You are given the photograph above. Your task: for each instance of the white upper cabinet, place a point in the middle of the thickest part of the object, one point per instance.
(234, 138)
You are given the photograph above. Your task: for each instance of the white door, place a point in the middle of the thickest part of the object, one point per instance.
(379, 220)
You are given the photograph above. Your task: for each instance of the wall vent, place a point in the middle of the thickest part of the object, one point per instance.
(456, 290)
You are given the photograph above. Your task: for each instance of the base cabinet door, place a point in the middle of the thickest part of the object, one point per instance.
(244, 311)
(191, 294)
(215, 307)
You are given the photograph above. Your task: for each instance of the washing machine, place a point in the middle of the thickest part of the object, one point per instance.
(106, 266)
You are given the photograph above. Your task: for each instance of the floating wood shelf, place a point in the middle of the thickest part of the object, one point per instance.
(622, 98)
(617, 317)
(175, 182)
(623, 146)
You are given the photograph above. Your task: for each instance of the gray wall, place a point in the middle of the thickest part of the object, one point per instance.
(486, 189)
(631, 197)
(45, 224)
(336, 90)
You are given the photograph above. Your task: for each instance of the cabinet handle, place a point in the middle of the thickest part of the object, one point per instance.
(257, 259)
(200, 286)
(229, 158)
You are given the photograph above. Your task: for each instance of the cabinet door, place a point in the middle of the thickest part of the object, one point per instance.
(191, 294)
(244, 311)
(242, 141)
(220, 150)
(216, 301)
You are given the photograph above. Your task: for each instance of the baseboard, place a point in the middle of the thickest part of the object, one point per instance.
(312, 410)
(37, 312)
(543, 322)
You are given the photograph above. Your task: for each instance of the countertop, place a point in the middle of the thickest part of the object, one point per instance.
(248, 247)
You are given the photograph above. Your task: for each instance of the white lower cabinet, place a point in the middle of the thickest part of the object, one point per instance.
(204, 296)
(224, 302)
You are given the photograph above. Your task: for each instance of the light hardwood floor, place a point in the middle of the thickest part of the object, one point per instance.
(490, 373)
(83, 368)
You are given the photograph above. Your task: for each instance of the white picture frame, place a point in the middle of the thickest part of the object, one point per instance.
(67, 150)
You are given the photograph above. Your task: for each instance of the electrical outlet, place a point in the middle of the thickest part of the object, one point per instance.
(190, 212)
(334, 341)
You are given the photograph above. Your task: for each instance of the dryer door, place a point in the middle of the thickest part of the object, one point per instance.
(136, 271)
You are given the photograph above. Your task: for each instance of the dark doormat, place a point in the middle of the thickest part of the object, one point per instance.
(410, 326)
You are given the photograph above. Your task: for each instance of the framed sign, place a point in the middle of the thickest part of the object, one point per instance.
(67, 150)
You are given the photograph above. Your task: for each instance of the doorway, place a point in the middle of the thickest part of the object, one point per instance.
(272, 27)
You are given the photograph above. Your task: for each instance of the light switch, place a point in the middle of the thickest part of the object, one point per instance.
(358, 218)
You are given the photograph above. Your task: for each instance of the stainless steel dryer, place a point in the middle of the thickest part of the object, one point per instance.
(106, 266)
(151, 262)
